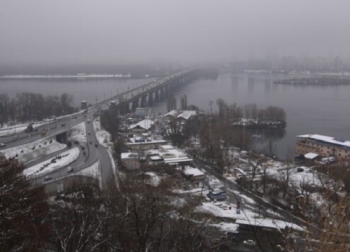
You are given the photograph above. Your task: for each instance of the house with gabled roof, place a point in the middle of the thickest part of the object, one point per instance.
(142, 126)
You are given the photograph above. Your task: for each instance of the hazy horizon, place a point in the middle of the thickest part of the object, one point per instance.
(137, 31)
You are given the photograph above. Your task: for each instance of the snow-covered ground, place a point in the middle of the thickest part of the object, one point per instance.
(154, 178)
(27, 152)
(78, 133)
(67, 157)
(103, 137)
(226, 226)
(244, 217)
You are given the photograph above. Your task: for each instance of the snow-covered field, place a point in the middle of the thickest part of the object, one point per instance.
(78, 133)
(67, 157)
(244, 217)
(34, 150)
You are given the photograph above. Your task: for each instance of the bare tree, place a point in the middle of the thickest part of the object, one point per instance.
(23, 210)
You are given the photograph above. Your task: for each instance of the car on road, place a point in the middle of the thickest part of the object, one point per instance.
(2, 144)
(249, 243)
(89, 133)
(96, 145)
(70, 169)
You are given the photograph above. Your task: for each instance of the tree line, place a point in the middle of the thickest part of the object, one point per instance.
(28, 106)
(235, 113)
(135, 217)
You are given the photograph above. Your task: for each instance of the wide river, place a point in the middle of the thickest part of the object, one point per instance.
(310, 109)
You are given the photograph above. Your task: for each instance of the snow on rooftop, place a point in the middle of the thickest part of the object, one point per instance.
(327, 139)
(152, 141)
(177, 160)
(167, 147)
(145, 124)
(186, 114)
(155, 158)
(126, 155)
(192, 171)
(172, 113)
(311, 155)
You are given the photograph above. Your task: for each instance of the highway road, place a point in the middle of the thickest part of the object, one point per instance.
(94, 151)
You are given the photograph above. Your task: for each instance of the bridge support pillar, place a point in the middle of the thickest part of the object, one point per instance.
(156, 95)
(150, 98)
(143, 101)
(166, 90)
(161, 95)
(124, 108)
(135, 104)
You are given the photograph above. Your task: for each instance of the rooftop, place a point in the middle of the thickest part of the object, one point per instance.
(192, 171)
(186, 114)
(327, 139)
(144, 124)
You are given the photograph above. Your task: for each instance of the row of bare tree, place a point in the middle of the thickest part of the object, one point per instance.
(27, 106)
(138, 217)
(234, 112)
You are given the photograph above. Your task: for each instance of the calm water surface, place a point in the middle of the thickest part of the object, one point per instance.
(309, 109)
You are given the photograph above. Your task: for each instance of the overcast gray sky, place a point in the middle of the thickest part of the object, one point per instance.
(117, 31)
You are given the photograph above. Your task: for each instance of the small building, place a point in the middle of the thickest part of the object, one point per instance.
(172, 156)
(324, 146)
(165, 148)
(311, 156)
(186, 115)
(156, 160)
(193, 174)
(142, 143)
(142, 126)
(171, 115)
(130, 160)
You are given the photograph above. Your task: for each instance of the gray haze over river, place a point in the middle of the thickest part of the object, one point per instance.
(310, 109)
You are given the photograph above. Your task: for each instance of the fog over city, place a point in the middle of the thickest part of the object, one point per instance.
(75, 32)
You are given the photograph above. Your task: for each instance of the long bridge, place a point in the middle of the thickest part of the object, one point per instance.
(125, 102)
(150, 93)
